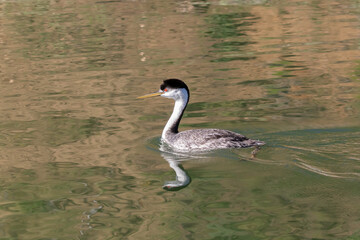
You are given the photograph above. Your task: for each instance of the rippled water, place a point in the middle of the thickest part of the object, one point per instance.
(81, 158)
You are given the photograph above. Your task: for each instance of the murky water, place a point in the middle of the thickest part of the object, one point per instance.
(80, 156)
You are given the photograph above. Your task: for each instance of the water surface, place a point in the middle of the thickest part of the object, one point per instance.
(80, 155)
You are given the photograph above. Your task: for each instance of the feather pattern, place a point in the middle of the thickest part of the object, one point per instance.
(208, 139)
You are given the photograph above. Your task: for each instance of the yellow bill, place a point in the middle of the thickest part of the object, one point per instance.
(151, 95)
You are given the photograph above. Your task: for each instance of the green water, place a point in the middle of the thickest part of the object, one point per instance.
(80, 156)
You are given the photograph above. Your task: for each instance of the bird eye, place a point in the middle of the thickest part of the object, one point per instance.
(165, 90)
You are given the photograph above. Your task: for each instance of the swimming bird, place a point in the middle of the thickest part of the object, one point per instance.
(195, 139)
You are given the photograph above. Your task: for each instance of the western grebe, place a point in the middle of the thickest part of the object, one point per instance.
(196, 139)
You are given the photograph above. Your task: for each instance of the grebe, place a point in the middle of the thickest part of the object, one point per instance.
(196, 139)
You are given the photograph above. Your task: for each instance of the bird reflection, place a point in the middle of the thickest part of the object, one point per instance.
(174, 159)
(182, 178)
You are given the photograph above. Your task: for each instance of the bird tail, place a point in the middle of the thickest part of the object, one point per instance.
(258, 143)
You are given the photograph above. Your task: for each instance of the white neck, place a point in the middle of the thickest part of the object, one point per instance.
(171, 126)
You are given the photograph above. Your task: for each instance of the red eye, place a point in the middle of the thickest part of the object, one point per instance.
(165, 90)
